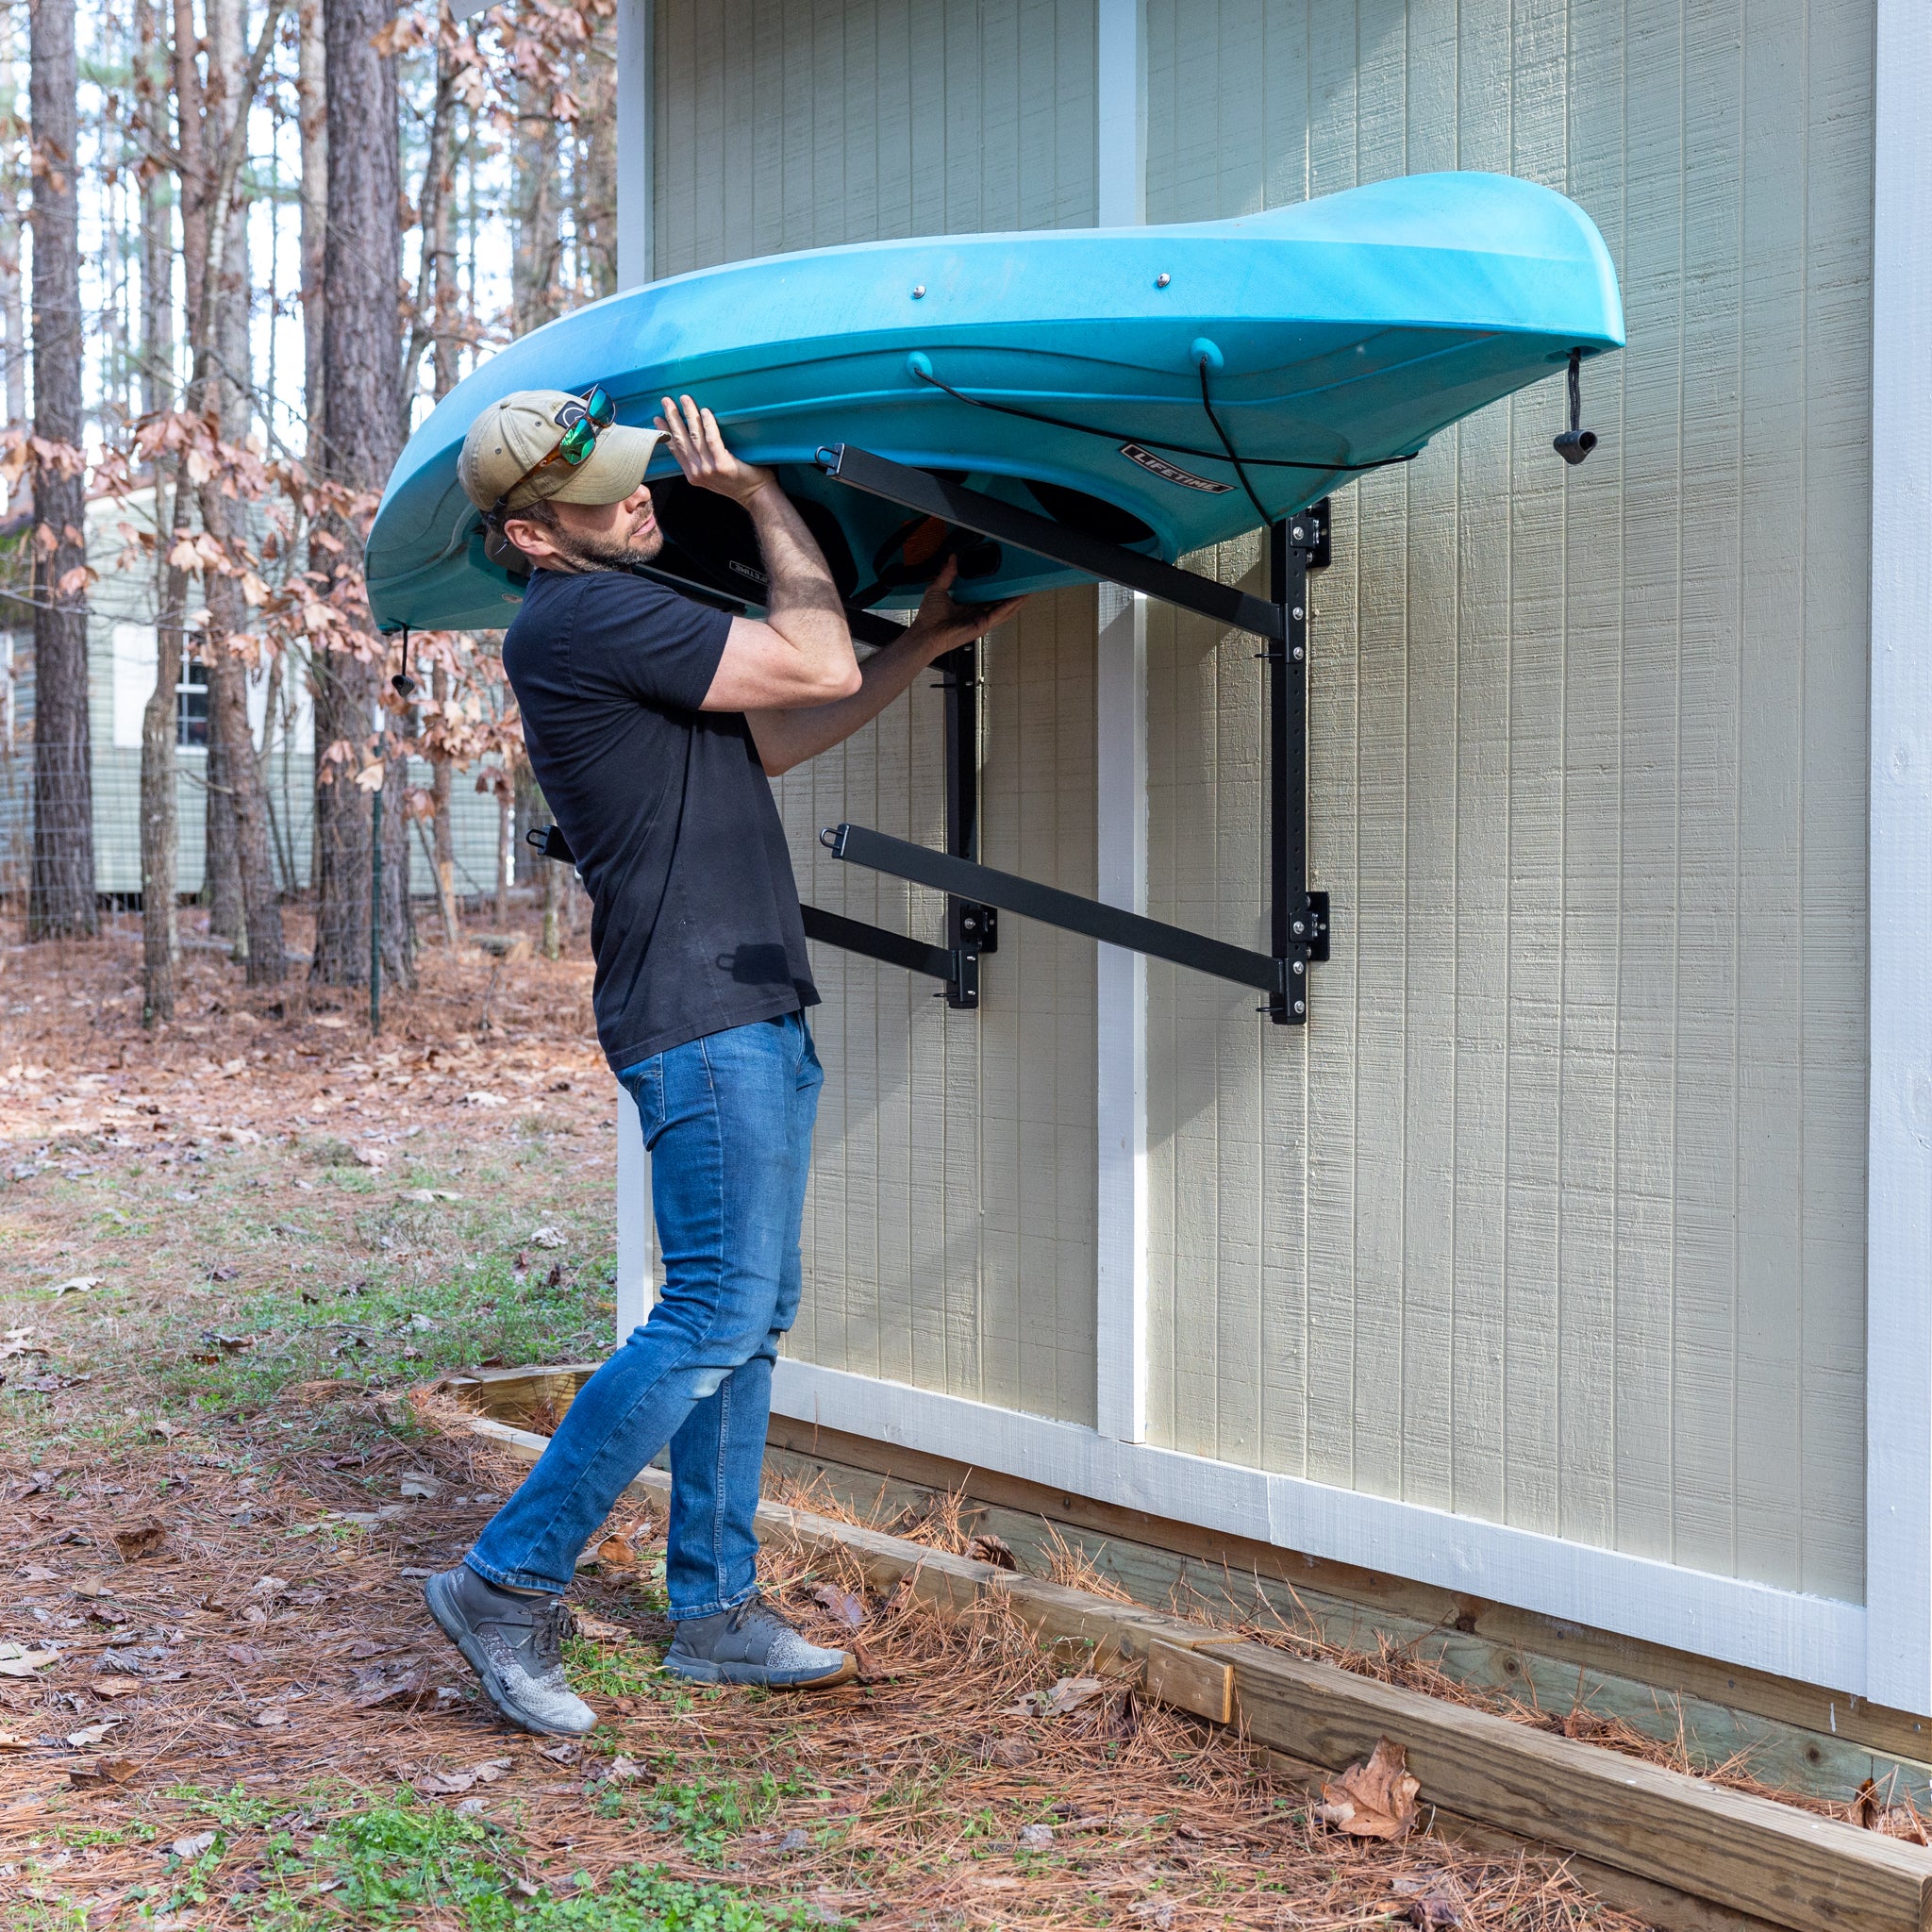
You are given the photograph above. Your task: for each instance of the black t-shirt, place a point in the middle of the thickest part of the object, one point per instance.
(694, 922)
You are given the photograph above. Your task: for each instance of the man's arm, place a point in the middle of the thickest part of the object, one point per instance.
(802, 653)
(789, 736)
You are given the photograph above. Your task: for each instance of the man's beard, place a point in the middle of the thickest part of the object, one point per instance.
(605, 553)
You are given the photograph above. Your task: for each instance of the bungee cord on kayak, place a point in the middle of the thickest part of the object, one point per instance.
(1184, 449)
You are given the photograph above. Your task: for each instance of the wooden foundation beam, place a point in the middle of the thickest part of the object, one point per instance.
(1642, 1836)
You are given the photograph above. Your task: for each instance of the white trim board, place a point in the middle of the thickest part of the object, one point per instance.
(637, 195)
(1121, 1033)
(1898, 1326)
(1120, 725)
(1815, 1639)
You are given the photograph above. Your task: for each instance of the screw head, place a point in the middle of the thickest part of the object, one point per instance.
(1297, 654)
(918, 291)
(1162, 281)
(1298, 613)
(1298, 966)
(1299, 1007)
(1296, 533)
(1299, 928)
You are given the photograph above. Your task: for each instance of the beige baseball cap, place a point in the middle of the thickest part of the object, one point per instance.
(511, 438)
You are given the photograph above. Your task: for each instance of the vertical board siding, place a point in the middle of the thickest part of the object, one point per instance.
(949, 1233)
(1556, 1214)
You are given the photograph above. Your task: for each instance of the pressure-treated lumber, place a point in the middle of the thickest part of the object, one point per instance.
(1809, 1739)
(1751, 1854)
(1671, 1834)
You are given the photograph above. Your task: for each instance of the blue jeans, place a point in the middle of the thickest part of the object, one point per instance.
(728, 1120)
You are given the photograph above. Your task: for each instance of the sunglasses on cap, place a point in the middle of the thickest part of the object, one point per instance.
(580, 419)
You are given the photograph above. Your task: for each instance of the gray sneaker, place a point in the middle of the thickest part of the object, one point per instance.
(754, 1644)
(515, 1646)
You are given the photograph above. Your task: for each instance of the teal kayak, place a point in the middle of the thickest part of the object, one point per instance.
(1109, 379)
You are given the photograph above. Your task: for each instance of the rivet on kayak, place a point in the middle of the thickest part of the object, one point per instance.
(1205, 353)
(1162, 281)
(918, 292)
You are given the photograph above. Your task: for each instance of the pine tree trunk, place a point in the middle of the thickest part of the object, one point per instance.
(312, 126)
(505, 845)
(157, 233)
(247, 789)
(160, 839)
(534, 292)
(221, 869)
(362, 327)
(60, 900)
(13, 316)
(161, 945)
(445, 830)
(432, 215)
(244, 906)
(553, 908)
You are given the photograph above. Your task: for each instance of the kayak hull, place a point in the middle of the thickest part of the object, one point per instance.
(1333, 336)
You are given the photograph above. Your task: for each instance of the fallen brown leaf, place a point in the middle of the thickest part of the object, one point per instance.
(988, 1548)
(443, 1783)
(100, 1771)
(1069, 1694)
(139, 1539)
(1436, 1899)
(90, 1587)
(1372, 1800)
(600, 1629)
(114, 1686)
(849, 1609)
(616, 1553)
(92, 1733)
(380, 1687)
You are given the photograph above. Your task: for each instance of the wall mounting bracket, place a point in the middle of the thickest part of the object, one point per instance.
(1298, 918)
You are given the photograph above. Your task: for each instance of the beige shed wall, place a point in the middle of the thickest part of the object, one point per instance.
(1555, 1215)
(949, 1234)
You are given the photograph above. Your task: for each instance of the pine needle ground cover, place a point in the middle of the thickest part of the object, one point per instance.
(232, 1252)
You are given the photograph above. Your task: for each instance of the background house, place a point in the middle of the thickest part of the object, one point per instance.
(120, 678)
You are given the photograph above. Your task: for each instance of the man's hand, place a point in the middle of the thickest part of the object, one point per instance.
(787, 738)
(693, 436)
(942, 624)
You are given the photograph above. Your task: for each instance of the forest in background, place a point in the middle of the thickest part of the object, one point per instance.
(244, 247)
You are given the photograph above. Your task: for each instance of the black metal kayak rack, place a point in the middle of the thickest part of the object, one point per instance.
(976, 893)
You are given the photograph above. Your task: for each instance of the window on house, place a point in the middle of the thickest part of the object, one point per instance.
(191, 705)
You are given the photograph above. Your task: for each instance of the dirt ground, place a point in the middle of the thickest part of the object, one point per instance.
(232, 1250)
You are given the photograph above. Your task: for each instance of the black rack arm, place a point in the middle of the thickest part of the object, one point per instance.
(971, 510)
(955, 967)
(1052, 907)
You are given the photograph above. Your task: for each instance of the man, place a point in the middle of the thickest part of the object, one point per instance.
(654, 725)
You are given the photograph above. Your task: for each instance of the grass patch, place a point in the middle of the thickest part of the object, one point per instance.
(707, 1817)
(607, 1670)
(404, 1860)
